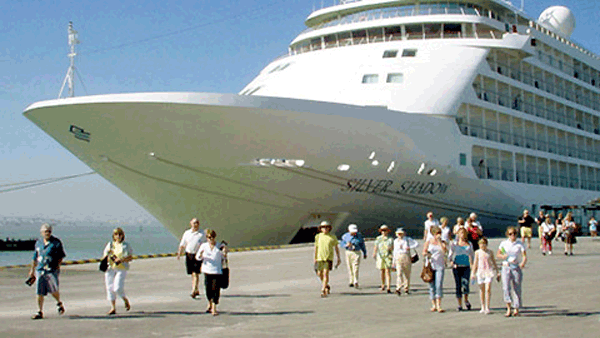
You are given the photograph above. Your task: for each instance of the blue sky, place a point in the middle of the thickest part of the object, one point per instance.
(137, 46)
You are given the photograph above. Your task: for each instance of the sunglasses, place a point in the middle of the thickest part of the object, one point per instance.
(512, 233)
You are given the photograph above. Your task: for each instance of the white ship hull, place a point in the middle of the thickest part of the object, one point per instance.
(205, 149)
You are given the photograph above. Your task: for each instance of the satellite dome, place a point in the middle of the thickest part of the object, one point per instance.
(558, 19)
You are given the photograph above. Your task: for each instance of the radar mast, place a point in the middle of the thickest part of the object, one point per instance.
(70, 77)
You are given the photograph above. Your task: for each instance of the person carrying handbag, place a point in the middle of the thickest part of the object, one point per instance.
(435, 250)
(403, 261)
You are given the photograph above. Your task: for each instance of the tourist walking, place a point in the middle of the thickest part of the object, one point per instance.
(474, 231)
(446, 231)
(460, 224)
(45, 268)
(429, 222)
(325, 245)
(354, 243)
(513, 254)
(540, 220)
(593, 224)
(383, 253)
(190, 243)
(569, 229)
(526, 223)
(435, 250)
(402, 260)
(485, 269)
(547, 233)
(119, 255)
(461, 258)
(212, 258)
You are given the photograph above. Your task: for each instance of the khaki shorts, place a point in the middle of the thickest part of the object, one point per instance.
(526, 232)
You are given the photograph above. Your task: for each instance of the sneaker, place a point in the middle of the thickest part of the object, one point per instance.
(468, 305)
(549, 252)
(38, 315)
(459, 309)
(351, 285)
(60, 308)
(543, 253)
(566, 254)
(482, 311)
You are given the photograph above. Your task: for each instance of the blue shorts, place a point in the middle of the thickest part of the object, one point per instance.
(46, 283)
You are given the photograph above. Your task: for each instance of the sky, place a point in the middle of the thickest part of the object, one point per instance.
(140, 46)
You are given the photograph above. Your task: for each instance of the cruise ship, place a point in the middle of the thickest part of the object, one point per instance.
(380, 111)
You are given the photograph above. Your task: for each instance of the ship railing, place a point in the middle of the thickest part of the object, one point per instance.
(569, 42)
(557, 90)
(403, 11)
(516, 103)
(527, 142)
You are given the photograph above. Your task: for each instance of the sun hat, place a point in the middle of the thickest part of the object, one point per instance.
(399, 231)
(383, 227)
(325, 224)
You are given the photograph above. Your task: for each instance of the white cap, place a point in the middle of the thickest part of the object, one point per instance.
(399, 231)
(352, 228)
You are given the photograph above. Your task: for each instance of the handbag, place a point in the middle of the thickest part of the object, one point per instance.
(427, 274)
(224, 280)
(104, 262)
(413, 258)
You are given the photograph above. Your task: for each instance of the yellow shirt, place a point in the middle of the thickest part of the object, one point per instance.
(325, 244)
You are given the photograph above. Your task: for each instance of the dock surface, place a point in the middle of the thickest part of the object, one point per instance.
(275, 293)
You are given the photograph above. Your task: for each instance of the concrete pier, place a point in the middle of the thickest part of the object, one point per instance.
(275, 293)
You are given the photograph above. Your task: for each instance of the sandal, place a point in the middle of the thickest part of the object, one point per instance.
(323, 294)
(60, 308)
(433, 309)
(440, 310)
(516, 314)
(507, 314)
(127, 304)
(328, 289)
(38, 315)
(112, 312)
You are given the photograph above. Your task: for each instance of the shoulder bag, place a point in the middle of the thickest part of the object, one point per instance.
(104, 262)
(415, 257)
(427, 274)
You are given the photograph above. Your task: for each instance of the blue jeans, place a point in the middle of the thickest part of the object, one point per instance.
(435, 287)
(462, 274)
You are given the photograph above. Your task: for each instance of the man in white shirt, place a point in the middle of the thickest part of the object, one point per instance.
(428, 224)
(190, 242)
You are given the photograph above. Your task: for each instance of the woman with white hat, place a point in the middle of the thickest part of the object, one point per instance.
(402, 247)
(384, 244)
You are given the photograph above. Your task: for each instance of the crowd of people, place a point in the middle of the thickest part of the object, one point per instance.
(202, 255)
(462, 248)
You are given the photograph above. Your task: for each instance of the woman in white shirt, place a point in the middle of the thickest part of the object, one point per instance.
(435, 250)
(212, 267)
(402, 259)
(548, 231)
(514, 256)
(119, 255)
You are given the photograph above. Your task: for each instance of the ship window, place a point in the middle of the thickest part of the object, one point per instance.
(394, 78)
(390, 53)
(409, 53)
(370, 78)
(463, 159)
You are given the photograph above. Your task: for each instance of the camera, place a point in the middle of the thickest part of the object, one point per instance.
(30, 280)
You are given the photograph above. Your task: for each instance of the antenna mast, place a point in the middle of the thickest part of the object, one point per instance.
(70, 77)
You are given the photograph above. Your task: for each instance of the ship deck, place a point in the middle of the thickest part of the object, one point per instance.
(275, 293)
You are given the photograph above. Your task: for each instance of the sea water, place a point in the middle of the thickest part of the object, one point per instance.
(85, 240)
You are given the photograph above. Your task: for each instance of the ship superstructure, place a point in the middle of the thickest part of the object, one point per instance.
(380, 111)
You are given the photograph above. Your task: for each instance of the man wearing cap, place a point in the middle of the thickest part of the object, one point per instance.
(325, 243)
(45, 268)
(402, 255)
(354, 243)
